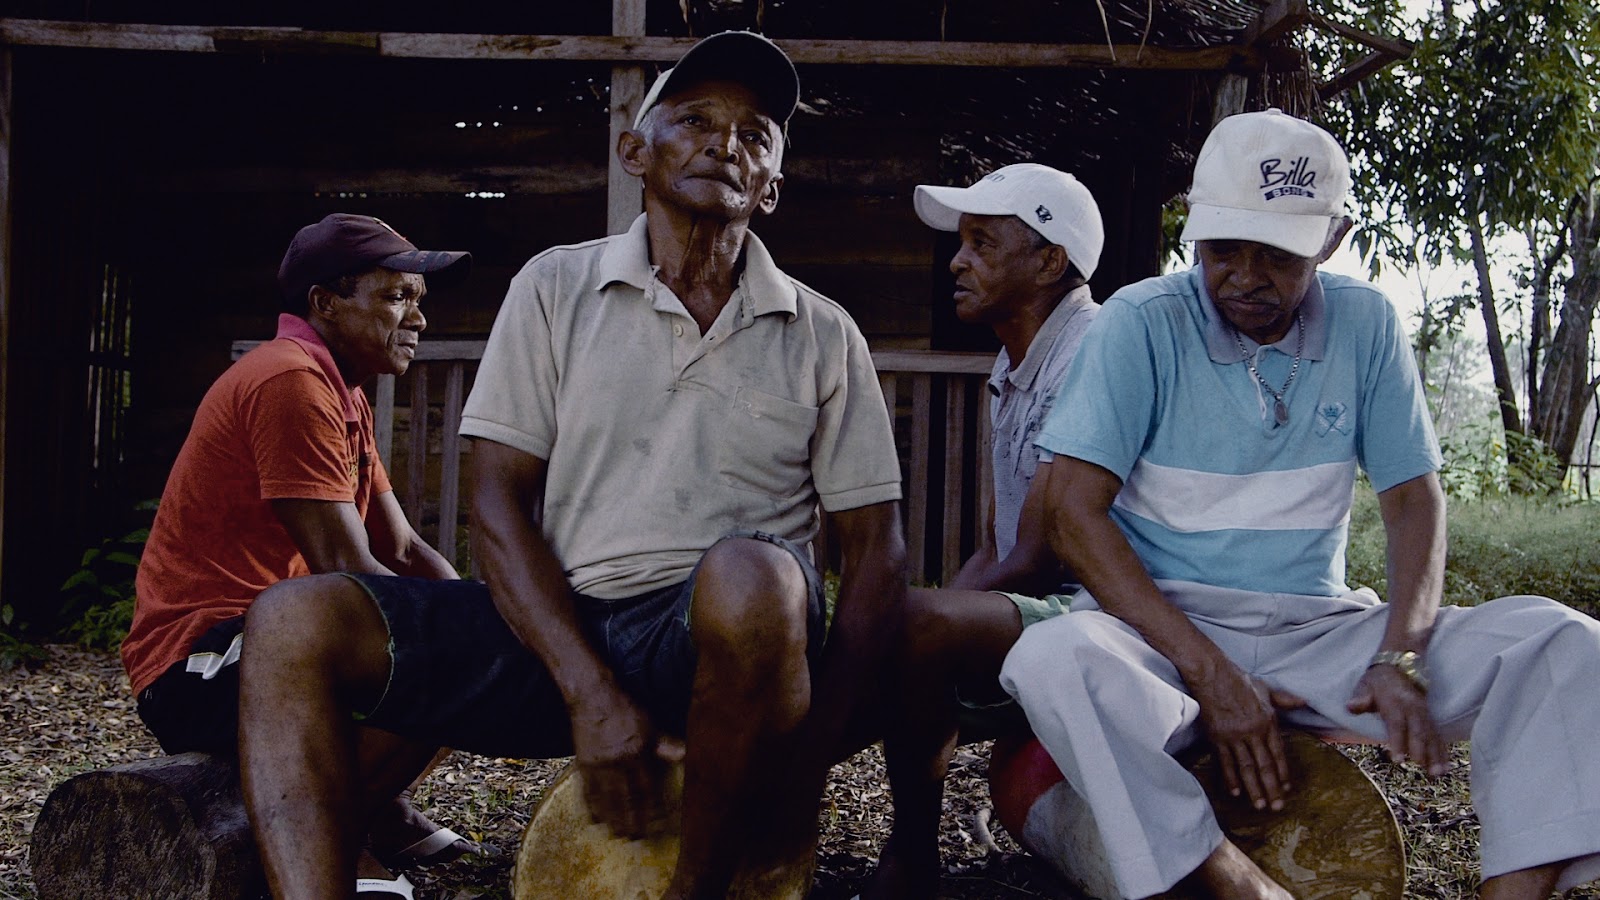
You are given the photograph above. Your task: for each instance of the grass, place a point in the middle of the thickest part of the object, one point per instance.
(1498, 547)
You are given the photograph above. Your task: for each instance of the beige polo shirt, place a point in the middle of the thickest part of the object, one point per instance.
(661, 440)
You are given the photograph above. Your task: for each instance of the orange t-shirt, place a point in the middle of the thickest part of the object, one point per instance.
(279, 424)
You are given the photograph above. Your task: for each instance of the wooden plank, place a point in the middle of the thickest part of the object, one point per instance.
(887, 384)
(417, 463)
(613, 48)
(955, 457)
(383, 419)
(434, 351)
(985, 474)
(5, 274)
(947, 362)
(624, 196)
(917, 478)
(822, 544)
(450, 465)
(537, 179)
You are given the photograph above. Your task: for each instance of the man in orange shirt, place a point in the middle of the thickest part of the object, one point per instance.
(280, 477)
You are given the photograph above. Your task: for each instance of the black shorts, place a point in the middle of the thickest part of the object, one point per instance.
(462, 679)
(194, 704)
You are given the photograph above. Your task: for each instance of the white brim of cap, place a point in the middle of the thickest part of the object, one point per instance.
(1302, 235)
(941, 207)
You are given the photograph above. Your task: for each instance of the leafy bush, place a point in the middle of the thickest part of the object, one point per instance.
(1498, 546)
(1476, 463)
(98, 598)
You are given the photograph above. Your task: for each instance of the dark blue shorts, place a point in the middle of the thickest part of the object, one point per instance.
(462, 679)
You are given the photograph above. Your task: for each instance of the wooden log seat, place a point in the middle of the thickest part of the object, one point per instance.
(170, 828)
(564, 854)
(1336, 838)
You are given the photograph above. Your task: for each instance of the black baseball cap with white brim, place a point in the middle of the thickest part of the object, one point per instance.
(742, 57)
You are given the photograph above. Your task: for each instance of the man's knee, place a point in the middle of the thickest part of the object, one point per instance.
(944, 627)
(750, 593)
(305, 616)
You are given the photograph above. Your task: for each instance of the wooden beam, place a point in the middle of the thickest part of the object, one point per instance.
(1396, 49)
(1355, 74)
(615, 48)
(624, 196)
(1278, 19)
(5, 274)
(437, 178)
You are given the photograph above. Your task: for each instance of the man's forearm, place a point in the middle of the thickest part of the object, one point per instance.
(866, 622)
(420, 560)
(1081, 531)
(1414, 526)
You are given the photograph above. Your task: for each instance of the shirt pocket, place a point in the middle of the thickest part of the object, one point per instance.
(766, 444)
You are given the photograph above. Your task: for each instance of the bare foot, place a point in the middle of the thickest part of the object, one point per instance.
(1228, 874)
(401, 837)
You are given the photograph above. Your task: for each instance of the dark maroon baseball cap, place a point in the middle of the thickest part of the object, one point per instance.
(344, 244)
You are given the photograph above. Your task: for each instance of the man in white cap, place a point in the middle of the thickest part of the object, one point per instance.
(659, 419)
(1201, 487)
(1030, 239)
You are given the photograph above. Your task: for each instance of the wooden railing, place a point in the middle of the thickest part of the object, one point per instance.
(938, 399)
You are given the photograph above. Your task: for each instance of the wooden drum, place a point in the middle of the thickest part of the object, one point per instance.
(1335, 839)
(564, 854)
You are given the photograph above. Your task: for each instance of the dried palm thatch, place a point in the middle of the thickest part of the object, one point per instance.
(1076, 119)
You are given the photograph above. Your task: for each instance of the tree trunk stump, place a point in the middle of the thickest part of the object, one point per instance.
(171, 828)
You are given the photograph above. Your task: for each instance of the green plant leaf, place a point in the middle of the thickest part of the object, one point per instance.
(80, 577)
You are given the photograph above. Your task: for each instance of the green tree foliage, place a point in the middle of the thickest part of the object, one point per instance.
(1490, 130)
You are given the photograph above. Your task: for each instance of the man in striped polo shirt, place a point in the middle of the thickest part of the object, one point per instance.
(1205, 446)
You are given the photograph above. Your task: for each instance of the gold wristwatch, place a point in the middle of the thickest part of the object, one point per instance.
(1407, 662)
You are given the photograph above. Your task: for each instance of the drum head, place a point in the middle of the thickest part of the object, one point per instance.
(565, 855)
(1336, 838)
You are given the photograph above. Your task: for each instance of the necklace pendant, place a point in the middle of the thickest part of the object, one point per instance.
(1280, 412)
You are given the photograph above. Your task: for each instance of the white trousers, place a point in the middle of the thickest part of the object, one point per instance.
(1517, 676)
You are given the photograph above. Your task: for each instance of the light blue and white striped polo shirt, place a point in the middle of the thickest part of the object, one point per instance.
(1213, 490)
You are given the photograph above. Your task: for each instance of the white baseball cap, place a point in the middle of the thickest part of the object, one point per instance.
(1271, 178)
(1050, 201)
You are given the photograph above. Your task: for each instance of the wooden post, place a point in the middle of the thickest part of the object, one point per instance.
(417, 465)
(624, 199)
(955, 463)
(450, 460)
(5, 273)
(383, 420)
(1229, 99)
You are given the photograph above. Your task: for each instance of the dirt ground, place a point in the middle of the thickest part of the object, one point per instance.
(74, 713)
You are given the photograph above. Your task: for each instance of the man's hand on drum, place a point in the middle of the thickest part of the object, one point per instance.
(1404, 709)
(1240, 715)
(623, 762)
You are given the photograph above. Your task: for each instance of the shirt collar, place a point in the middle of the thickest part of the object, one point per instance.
(1224, 349)
(294, 328)
(1023, 376)
(626, 259)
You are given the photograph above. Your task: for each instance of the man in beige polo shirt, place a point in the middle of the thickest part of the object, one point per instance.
(659, 419)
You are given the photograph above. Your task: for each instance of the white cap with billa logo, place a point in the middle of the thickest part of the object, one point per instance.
(1271, 178)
